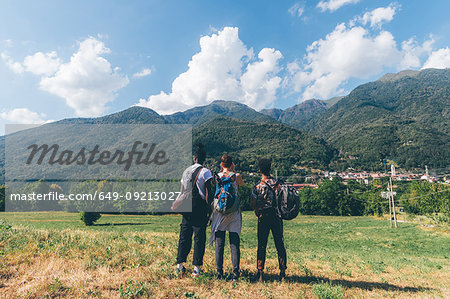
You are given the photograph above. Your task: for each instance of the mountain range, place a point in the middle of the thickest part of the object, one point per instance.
(401, 117)
(236, 129)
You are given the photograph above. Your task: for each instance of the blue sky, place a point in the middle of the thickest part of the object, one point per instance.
(91, 58)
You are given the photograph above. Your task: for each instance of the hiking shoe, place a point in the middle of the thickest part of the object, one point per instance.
(219, 275)
(196, 273)
(259, 276)
(282, 275)
(235, 276)
(180, 272)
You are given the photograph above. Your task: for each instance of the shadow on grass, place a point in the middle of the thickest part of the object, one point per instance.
(364, 285)
(122, 223)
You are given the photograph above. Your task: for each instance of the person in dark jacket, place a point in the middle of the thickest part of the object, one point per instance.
(263, 202)
(196, 221)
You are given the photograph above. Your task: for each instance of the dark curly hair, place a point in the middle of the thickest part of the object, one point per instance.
(264, 166)
(200, 153)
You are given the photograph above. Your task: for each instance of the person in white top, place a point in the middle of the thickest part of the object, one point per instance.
(231, 222)
(195, 222)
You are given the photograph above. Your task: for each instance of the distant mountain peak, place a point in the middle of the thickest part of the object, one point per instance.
(201, 114)
(389, 77)
(226, 102)
(298, 115)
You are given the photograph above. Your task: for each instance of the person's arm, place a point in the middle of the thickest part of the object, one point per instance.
(239, 180)
(177, 201)
(253, 201)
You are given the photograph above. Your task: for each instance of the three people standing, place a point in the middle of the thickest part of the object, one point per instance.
(229, 219)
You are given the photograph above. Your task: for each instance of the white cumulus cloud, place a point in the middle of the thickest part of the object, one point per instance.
(412, 52)
(38, 63)
(87, 82)
(223, 69)
(23, 116)
(259, 83)
(42, 63)
(143, 73)
(333, 5)
(14, 66)
(379, 16)
(439, 59)
(344, 53)
(352, 51)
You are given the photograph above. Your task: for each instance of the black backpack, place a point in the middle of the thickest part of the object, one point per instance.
(288, 202)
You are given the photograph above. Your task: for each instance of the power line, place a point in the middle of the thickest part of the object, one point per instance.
(448, 189)
(404, 199)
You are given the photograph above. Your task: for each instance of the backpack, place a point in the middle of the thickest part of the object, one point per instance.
(287, 200)
(225, 198)
(266, 196)
(190, 193)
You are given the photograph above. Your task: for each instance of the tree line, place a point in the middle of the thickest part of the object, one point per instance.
(334, 197)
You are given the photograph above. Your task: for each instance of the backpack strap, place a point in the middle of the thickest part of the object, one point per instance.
(229, 174)
(273, 190)
(195, 175)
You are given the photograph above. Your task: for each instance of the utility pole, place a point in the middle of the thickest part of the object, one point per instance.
(390, 196)
(387, 196)
(390, 209)
(393, 205)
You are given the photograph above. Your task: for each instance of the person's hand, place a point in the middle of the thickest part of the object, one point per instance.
(175, 205)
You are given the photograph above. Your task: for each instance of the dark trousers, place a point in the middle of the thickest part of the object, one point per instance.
(234, 247)
(187, 228)
(269, 221)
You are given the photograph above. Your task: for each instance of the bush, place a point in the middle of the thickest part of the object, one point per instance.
(425, 198)
(89, 217)
(4, 226)
(330, 198)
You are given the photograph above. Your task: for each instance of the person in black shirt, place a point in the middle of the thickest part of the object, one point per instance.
(263, 202)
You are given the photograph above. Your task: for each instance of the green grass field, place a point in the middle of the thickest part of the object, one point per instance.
(53, 254)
